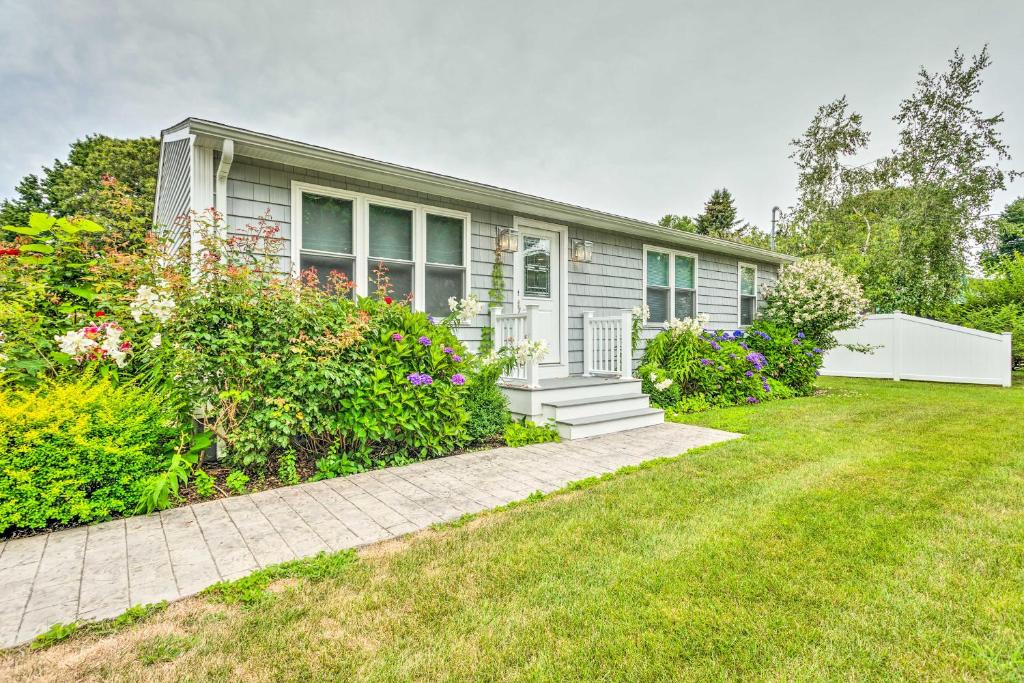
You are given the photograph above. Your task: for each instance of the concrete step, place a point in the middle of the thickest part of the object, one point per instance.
(595, 425)
(528, 402)
(589, 406)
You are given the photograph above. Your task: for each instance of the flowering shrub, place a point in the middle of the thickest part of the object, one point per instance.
(79, 451)
(816, 297)
(687, 368)
(284, 366)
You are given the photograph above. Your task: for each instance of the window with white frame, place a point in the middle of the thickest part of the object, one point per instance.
(421, 249)
(670, 284)
(747, 293)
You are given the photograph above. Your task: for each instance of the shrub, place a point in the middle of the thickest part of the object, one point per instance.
(995, 304)
(686, 368)
(526, 433)
(236, 482)
(792, 358)
(79, 451)
(287, 367)
(204, 484)
(816, 297)
(486, 406)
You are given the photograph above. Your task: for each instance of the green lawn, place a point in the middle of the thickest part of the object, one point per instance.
(873, 532)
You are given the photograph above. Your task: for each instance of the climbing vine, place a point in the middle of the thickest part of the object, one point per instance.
(496, 297)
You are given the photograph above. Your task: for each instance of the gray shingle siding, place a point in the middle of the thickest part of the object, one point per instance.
(610, 283)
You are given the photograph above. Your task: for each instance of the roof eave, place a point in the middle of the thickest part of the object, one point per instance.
(272, 148)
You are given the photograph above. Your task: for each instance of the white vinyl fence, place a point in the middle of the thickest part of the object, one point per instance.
(921, 349)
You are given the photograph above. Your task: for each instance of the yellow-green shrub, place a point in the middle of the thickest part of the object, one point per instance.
(78, 451)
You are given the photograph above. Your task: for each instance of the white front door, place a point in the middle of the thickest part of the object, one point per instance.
(538, 280)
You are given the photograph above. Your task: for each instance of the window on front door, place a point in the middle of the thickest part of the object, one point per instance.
(536, 267)
(670, 290)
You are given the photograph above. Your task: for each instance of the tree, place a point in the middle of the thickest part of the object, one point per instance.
(110, 181)
(907, 223)
(719, 216)
(684, 223)
(1009, 234)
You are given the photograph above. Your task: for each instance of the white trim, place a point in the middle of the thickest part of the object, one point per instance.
(672, 253)
(361, 236)
(561, 367)
(227, 156)
(740, 265)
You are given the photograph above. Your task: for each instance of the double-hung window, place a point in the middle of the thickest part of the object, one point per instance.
(670, 286)
(420, 249)
(327, 241)
(747, 293)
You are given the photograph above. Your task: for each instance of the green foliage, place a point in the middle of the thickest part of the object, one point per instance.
(108, 180)
(994, 303)
(204, 484)
(526, 433)
(486, 406)
(1009, 235)
(252, 589)
(719, 216)
(286, 470)
(130, 617)
(286, 366)
(682, 223)
(236, 482)
(685, 371)
(54, 635)
(495, 297)
(907, 224)
(161, 490)
(164, 648)
(79, 451)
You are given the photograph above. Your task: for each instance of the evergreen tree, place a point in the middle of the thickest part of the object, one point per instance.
(719, 217)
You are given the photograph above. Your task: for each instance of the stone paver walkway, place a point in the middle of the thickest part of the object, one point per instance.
(99, 571)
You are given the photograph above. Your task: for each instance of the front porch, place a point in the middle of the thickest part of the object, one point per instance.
(604, 398)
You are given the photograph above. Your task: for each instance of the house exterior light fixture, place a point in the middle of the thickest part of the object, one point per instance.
(581, 251)
(508, 240)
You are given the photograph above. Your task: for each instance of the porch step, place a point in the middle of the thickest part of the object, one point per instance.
(595, 425)
(590, 406)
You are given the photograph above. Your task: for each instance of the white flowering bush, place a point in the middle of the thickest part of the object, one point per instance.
(464, 311)
(96, 342)
(691, 326)
(640, 316)
(153, 302)
(526, 350)
(815, 297)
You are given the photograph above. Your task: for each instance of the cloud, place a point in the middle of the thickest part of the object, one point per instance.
(639, 108)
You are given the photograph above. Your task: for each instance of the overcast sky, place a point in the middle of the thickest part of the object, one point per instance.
(639, 108)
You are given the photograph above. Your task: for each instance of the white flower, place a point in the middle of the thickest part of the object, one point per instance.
(663, 384)
(467, 309)
(642, 313)
(526, 350)
(74, 343)
(149, 301)
(693, 326)
(156, 341)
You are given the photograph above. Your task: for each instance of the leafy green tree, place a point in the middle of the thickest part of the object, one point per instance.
(907, 223)
(108, 180)
(684, 223)
(1009, 235)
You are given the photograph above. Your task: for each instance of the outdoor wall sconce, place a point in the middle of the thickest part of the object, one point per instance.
(508, 240)
(582, 251)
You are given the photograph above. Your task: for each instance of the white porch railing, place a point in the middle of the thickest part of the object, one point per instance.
(608, 344)
(508, 329)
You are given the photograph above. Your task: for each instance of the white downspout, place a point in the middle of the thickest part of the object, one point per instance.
(227, 156)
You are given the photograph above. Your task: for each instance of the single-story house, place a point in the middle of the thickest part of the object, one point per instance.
(570, 275)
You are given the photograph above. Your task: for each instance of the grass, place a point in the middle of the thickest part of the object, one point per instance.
(873, 532)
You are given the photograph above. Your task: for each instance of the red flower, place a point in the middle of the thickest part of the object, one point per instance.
(10, 252)
(387, 299)
(99, 314)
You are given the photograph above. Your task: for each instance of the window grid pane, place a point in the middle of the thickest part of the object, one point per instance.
(442, 283)
(325, 266)
(684, 301)
(537, 267)
(390, 233)
(657, 302)
(685, 277)
(327, 224)
(657, 269)
(748, 285)
(747, 306)
(444, 239)
(400, 278)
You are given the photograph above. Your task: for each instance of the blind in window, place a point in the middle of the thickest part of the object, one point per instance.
(390, 233)
(657, 269)
(686, 277)
(444, 240)
(327, 224)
